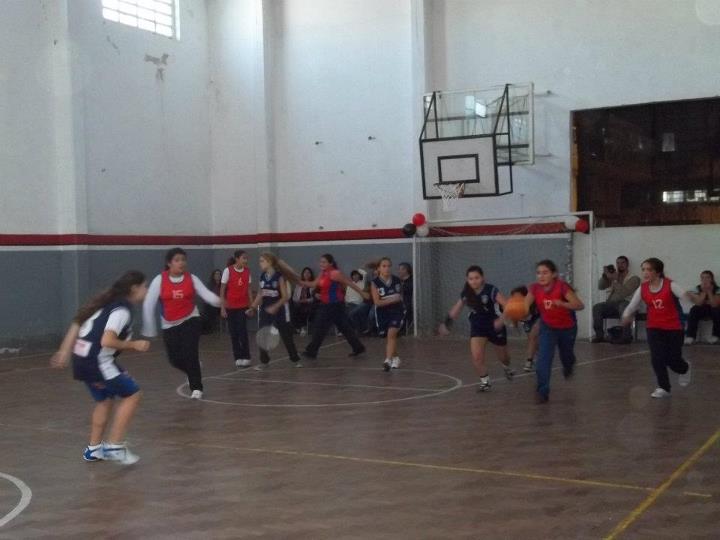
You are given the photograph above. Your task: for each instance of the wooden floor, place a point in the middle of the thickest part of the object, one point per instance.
(340, 449)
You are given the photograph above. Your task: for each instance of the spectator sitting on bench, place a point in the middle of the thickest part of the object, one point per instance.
(621, 286)
(707, 307)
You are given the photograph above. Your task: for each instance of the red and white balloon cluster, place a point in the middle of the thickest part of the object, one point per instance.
(574, 223)
(418, 225)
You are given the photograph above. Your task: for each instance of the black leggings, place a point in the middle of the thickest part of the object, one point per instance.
(281, 322)
(182, 343)
(666, 352)
(237, 325)
(327, 315)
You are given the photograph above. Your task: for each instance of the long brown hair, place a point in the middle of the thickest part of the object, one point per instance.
(281, 266)
(120, 289)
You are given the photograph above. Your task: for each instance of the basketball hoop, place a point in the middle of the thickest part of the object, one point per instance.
(450, 195)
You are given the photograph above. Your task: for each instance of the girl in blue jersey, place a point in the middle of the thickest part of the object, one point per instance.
(274, 309)
(386, 290)
(486, 325)
(100, 331)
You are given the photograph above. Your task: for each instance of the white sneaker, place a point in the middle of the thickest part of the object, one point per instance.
(685, 378)
(395, 363)
(119, 453)
(386, 365)
(303, 332)
(196, 394)
(242, 362)
(689, 341)
(239, 362)
(712, 340)
(660, 393)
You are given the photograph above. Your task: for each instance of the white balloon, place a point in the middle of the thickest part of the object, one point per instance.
(570, 222)
(423, 230)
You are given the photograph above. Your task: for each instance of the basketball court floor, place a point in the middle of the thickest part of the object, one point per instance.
(341, 449)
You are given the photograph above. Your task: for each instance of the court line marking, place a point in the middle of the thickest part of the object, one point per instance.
(433, 393)
(428, 466)
(258, 379)
(156, 442)
(25, 498)
(597, 360)
(662, 488)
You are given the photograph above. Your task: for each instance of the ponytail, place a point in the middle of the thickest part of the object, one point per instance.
(120, 289)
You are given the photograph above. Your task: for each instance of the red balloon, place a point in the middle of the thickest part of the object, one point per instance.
(582, 226)
(418, 219)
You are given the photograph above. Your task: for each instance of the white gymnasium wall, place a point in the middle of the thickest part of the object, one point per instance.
(28, 156)
(144, 122)
(237, 102)
(587, 54)
(341, 72)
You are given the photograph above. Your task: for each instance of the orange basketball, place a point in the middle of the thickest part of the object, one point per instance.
(515, 309)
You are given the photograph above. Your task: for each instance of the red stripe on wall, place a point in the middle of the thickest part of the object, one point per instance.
(308, 236)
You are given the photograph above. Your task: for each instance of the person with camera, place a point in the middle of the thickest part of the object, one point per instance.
(616, 279)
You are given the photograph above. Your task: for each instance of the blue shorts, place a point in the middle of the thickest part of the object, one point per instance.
(496, 337)
(123, 385)
(389, 318)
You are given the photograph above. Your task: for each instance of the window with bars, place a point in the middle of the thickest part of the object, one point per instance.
(157, 16)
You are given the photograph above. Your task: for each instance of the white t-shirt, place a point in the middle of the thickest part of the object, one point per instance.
(117, 320)
(153, 296)
(226, 275)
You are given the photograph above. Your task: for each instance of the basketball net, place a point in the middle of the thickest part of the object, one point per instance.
(450, 195)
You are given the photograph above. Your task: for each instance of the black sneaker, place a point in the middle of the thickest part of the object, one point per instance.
(386, 365)
(541, 398)
(598, 339)
(307, 354)
(357, 353)
(568, 372)
(509, 373)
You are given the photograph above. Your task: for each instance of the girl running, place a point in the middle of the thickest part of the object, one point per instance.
(557, 303)
(236, 298)
(330, 288)
(386, 290)
(100, 331)
(175, 288)
(664, 327)
(486, 325)
(273, 300)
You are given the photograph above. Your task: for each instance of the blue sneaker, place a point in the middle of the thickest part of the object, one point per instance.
(93, 453)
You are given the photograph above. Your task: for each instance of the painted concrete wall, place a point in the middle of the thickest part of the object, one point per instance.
(28, 93)
(342, 78)
(145, 122)
(586, 53)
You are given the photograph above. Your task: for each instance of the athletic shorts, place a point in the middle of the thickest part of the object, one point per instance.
(495, 337)
(386, 318)
(123, 385)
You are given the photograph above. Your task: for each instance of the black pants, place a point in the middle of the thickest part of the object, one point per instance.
(327, 315)
(281, 322)
(609, 310)
(301, 314)
(697, 313)
(237, 325)
(182, 343)
(666, 352)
